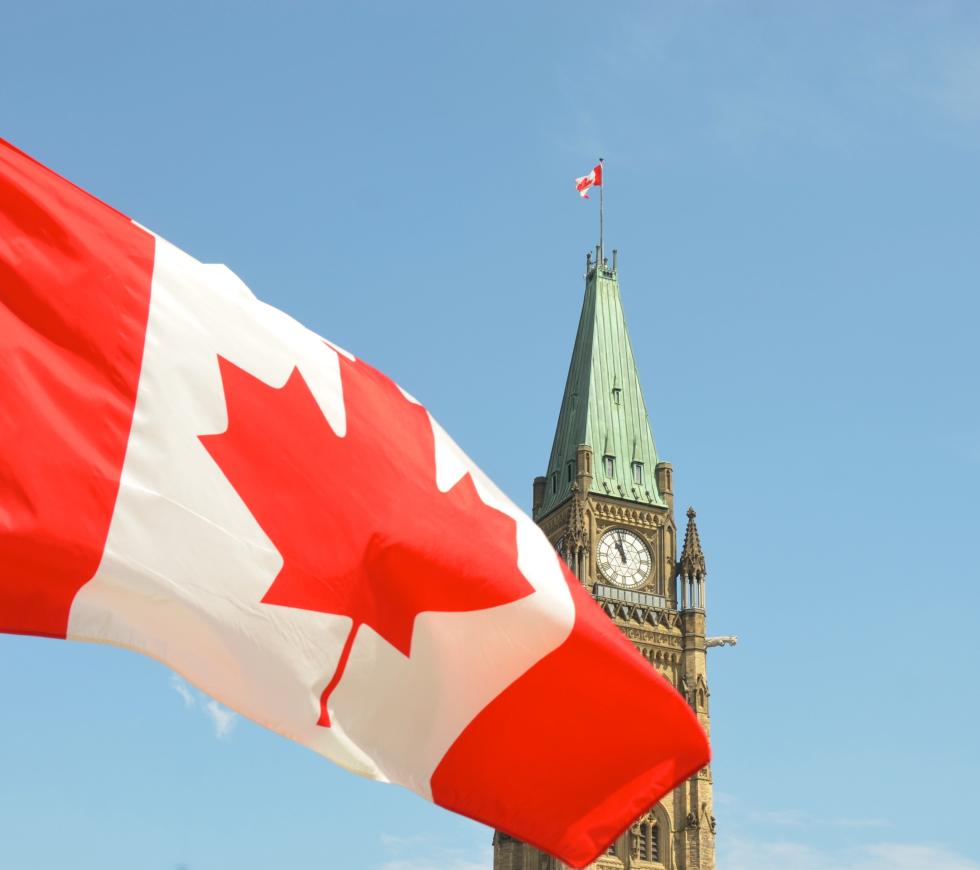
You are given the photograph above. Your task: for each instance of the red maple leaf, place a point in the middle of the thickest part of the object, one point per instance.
(360, 525)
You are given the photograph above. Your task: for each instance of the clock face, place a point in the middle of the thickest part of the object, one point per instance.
(624, 558)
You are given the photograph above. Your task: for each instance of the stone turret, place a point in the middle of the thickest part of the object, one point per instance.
(691, 572)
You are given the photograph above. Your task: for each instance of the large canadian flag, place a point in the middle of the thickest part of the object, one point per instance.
(188, 472)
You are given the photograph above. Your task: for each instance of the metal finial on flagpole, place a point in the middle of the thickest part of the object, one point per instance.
(602, 189)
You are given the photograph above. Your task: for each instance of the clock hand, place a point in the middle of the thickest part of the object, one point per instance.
(619, 546)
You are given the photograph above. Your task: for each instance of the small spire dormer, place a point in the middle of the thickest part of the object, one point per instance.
(691, 570)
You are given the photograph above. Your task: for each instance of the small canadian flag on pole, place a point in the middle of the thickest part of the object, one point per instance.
(593, 179)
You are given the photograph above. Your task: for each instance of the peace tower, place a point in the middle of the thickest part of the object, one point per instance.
(607, 505)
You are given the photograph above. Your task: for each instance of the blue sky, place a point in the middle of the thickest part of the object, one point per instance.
(794, 192)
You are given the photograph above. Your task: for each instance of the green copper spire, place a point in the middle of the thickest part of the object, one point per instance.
(603, 405)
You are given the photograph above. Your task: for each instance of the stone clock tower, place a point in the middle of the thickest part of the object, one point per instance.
(607, 504)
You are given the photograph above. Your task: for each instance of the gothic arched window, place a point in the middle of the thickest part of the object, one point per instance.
(646, 844)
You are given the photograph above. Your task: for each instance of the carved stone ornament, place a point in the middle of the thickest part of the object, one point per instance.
(659, 638)
(691, 564)
(724, 640)
(577, 530)
(620, 513)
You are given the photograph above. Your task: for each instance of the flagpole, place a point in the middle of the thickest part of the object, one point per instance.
(602, 190)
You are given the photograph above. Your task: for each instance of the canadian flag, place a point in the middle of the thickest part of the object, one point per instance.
(190, 473)
(593, 179)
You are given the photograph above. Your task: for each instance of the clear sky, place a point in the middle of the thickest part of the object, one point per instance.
(795, 194)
